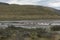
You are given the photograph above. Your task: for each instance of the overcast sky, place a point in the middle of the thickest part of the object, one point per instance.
(50, 3)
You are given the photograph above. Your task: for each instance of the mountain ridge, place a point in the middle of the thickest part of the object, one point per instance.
(2, 3)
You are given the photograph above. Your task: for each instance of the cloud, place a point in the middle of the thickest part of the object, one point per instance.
(50, 3)
(24, 2)
(54, 4)
(12, 1)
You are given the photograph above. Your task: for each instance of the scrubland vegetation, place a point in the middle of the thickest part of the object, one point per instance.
(18, 33)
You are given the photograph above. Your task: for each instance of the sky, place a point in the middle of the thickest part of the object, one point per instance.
(50, 3)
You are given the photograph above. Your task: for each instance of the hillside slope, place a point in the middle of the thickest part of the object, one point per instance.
(27, 12)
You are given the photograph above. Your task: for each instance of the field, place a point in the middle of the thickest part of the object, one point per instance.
(27, 17)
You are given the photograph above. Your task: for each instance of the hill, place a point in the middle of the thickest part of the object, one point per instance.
(27, 12)
(1, 3)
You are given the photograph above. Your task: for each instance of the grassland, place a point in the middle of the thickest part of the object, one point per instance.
(27, 12)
